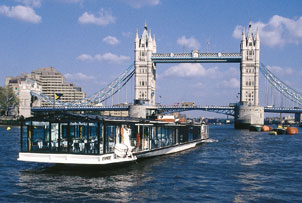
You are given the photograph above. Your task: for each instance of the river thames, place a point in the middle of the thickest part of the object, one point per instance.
(238, 166)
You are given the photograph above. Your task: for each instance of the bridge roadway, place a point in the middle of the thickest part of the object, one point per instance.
(196, 57)
(80, 108)
(228, 110)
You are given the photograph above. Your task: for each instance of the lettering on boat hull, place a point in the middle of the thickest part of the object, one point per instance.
(73, 158)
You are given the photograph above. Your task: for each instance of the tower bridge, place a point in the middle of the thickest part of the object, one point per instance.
(246, 112)
(146, 59)
(164, 109)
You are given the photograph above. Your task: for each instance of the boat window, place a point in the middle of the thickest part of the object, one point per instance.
(196, 133)
(37, 136)
(174, 140)
(61, 137)
(24, 146)
(111, 136)
(190, 133)
(154, 138)
(165, 138)
(146, 138)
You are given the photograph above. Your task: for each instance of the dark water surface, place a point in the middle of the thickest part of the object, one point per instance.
(241, 166)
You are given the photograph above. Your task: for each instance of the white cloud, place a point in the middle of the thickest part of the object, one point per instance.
(233, 83)
(142, 3)
(71, 1)
(104, 18)
(111, 40)
(19, 12)
(85, 57)
(30, 3)
(237, 33)
(232, 71)
(280, 71)
(277, 32)
(78, 77)
(112, 58)
(191, 70)
(126, 34)
(199, 85)
(108, 57)
(188, 42)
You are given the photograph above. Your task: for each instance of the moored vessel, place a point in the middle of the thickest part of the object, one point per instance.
(256, 128)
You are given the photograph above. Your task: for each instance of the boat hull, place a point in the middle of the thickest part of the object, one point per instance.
(166, 150)
(74, 159)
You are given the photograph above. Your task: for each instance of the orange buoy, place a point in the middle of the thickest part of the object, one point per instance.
(291, 130)
(265, 128)
(270, 128)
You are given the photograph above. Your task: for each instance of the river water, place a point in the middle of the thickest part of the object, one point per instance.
(238, 166)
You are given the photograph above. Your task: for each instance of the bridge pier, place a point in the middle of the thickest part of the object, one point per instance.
(141, 110)
(246, 115)
(137, 111)
(298, 117)
(247, 111)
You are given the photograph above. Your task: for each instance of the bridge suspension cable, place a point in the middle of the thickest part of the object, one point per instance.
(96, 98)
(284, 89)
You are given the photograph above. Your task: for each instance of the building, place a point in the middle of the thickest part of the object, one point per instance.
(53, 82)
(47, 81)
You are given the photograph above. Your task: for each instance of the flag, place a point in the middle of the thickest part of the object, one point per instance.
(58, 96)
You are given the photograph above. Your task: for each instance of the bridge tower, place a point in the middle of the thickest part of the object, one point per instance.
(145, 69)
(249, 68)
(247, 111)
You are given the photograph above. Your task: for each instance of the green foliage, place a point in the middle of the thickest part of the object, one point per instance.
(7, 99)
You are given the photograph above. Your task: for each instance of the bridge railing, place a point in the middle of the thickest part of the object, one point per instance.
(200, 55)
(227, 110)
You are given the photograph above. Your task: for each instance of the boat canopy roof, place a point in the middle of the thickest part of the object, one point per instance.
(59, 117)
(67, 117)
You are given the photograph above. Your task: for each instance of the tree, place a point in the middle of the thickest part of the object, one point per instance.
(8, 99)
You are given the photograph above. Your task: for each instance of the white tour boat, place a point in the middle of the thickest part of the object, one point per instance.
(79, 139)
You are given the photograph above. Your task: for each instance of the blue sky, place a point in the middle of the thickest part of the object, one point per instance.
(92, 41)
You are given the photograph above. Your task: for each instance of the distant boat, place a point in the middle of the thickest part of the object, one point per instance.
(281, 131)
(256, 128)
(277, 131)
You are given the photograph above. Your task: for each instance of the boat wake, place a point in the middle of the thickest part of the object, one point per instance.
(210, 140)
